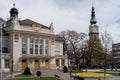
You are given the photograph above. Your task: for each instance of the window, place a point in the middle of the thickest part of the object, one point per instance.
(16, 37)
(4, 50)
(57, 62)
(36, 46)
(57, 49)
(41, 49)
(7, 63)
(24, 46)
(46, 47)
(63, 62)
(31, 46)
(41, 44)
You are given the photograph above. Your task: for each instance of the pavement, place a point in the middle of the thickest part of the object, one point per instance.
(65, 76)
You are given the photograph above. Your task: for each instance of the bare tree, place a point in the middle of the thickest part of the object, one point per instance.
(107, 44)
(95, 51)
(72, 44)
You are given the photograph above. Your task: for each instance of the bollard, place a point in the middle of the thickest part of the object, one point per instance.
(38, 74)
(99, 79)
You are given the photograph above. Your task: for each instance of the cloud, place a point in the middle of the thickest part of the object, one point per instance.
(68, 14)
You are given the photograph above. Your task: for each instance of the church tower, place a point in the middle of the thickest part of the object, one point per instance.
(94, 43)
(93, 28)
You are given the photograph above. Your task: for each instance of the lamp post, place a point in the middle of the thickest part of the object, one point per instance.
(73, 67)
(12, 62)
(12, 73)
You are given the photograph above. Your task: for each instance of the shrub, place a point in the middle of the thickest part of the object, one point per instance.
(27, 71)
(65, 69)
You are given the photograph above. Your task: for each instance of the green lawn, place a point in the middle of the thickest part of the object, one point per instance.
(114, 73)
(43, 78)
(20, 75)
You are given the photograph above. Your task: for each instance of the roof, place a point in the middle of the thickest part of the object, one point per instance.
(116, 44)
(1, 19)
(58, 38)
(4, 33)
(29, 22)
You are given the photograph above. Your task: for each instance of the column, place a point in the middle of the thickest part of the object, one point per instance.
(60, 62)
(43, 47)
(3, 63)
(66, 62)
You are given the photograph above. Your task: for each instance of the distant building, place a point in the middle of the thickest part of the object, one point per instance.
(28, 43)
(116, 54)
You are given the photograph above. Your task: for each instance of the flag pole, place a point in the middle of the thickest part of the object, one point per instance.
(1, 52)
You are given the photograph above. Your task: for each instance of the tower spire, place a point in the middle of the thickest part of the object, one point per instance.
(93, 19)
(93, 28)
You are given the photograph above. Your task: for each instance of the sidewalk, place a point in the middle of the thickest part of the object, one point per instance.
(66, 76)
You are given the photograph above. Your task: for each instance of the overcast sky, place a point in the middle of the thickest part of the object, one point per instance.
(68, 14)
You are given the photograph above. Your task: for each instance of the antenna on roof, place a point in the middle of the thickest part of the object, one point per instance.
(14, 5)
(92, 2)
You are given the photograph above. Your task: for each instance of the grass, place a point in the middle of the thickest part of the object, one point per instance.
(31, 77)
(43, 78)
(114, 73)
(24, 75)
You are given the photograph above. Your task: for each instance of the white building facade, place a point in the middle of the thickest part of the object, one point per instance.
(28, 43)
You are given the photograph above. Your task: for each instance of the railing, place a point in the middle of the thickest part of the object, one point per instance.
(6, 55)
(61, 56)
(35, 55)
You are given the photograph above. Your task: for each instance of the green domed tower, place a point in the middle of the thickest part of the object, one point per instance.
(93, 28)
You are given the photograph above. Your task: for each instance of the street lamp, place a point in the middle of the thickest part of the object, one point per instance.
(12, 73)
(73, 67)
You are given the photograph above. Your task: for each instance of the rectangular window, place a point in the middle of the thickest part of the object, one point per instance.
(7, 63)
(31, 46)
(4, 50)
(36, 46)
(41, 47)
(57, 62)
(63, 62)
(46, 47)
(24, 46)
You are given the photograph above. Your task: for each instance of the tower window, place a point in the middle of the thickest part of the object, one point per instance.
(16, 37)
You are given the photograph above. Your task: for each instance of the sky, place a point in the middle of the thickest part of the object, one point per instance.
(68, 14)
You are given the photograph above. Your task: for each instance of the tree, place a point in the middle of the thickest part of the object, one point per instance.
(107, 44)
(72, 41)
(95, 51)
(27, 71)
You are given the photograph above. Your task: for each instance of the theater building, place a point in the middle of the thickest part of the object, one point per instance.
(29, 43)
